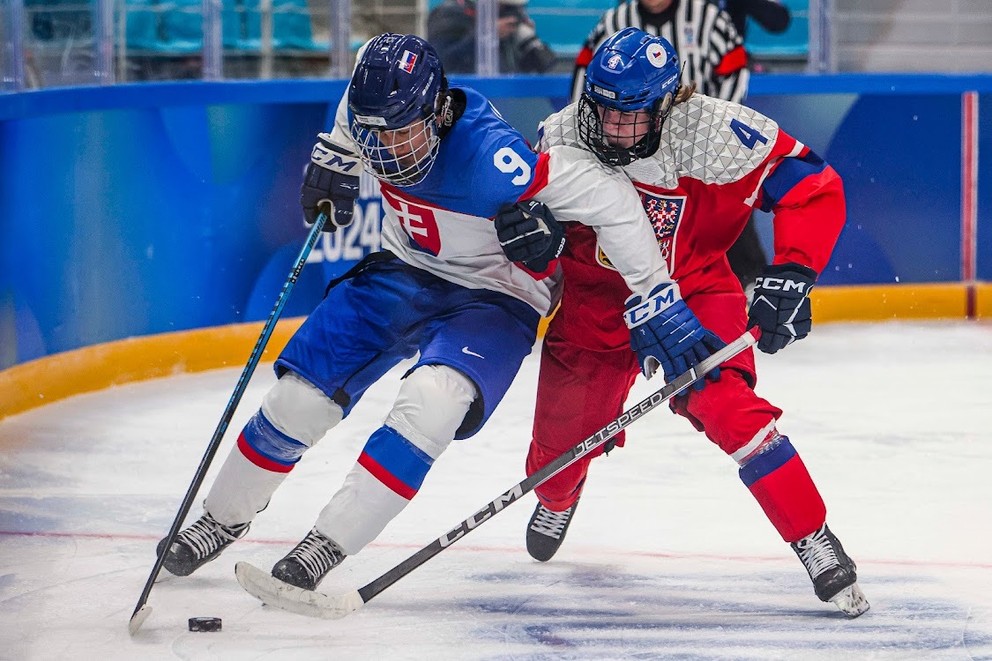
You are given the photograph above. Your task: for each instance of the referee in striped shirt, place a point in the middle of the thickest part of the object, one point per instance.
(713, 57)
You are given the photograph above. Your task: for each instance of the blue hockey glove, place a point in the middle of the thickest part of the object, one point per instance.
(780, 306)
(330, 184)
(529, 234)
(664, 332)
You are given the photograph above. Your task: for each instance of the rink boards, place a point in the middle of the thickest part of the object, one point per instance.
(171, 221)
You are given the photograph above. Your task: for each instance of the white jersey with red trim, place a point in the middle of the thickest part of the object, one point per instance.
(718, 161)
(443, 224)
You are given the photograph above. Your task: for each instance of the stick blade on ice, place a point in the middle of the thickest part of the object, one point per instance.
(138, 619)
(269, 590)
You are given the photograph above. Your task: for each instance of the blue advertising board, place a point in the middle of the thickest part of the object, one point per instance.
(139, 209)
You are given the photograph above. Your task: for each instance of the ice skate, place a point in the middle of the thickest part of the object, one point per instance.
(308, 563)
(834, 574)
(546, 531)
(199, 544)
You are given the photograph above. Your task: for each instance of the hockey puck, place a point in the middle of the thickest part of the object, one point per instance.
(204, 624)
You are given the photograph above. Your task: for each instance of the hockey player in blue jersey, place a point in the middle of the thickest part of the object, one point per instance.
(443, 287)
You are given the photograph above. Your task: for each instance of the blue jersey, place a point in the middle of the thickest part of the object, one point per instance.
(443, 224)
(482, 164)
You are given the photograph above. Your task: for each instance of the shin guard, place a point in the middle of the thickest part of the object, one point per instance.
(395, 460)
(382, 482)
(779, 481)
(254, 469)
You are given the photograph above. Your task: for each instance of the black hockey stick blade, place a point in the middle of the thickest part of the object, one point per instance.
(317, 604)
(142, 610)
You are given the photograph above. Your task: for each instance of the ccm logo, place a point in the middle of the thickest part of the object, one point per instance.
(781, 284)
(327, 158)
(479, 517)
(649, 308)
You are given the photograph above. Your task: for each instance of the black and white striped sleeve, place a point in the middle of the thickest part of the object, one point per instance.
(612, 21)
(727, 59)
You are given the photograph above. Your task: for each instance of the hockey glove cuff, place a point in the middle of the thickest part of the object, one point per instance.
(330, 184)
(780, 305)
(665, 333)
(530, 234)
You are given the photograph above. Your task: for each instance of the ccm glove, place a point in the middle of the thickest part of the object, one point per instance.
(780, 306)
(330, 184)
(530, 234)
(664, 332)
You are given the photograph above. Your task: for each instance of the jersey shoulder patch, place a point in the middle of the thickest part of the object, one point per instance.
(718, 141)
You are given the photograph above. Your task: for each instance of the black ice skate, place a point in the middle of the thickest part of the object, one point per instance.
(546, 531)
(307, 564)
(199, 544)
(834, 574)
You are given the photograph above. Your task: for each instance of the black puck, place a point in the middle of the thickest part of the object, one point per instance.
(204, 624)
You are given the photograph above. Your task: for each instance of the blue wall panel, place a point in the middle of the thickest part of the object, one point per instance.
(899, 156)
(985, 187)
(141, 209)
(126, 222)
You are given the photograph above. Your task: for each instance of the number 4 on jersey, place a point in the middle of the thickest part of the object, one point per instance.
(748, 135)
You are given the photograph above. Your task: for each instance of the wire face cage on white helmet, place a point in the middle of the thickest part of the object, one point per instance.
(392, 101)
(630, 88)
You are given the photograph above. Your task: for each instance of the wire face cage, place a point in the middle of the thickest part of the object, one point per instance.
(401, 157)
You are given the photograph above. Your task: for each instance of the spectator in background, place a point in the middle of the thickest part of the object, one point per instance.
(713, 58)
(451, 29)
(771, 15)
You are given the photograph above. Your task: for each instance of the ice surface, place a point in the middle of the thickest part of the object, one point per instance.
(668, 557)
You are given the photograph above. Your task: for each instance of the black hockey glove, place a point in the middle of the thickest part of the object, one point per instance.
(530, 234)
(780, 306)
(330, 184)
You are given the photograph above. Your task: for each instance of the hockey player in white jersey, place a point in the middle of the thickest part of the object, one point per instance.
(443, 288)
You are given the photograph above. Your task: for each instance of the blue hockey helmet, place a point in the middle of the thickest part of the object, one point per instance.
(630, 87)
(393, 98)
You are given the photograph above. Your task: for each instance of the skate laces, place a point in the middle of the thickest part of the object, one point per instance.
(206, 535)
(817, 553)
(316, 554)
(551, 523)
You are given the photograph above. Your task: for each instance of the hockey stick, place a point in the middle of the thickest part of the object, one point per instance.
(317, 604)
(142, 610)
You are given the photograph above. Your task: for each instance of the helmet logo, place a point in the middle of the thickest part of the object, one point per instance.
(614, 62)
(656, 55)
(371, 120)
(407, 61)
(602, 91)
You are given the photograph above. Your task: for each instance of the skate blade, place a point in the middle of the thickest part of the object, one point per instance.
(851, 601)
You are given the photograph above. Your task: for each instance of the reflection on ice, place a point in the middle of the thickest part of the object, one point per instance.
(668, 557)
